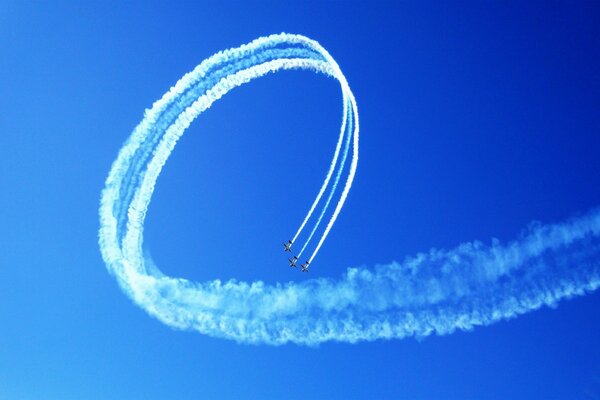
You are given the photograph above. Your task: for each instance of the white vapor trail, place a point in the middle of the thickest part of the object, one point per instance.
(331, 192)
(434, 292)
(327, 178)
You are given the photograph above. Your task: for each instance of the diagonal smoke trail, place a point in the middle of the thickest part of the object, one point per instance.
(327, 178)
(349, 180)
(435, 292)
(334, 186)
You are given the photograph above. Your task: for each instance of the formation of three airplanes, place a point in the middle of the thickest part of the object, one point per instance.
(288, 247)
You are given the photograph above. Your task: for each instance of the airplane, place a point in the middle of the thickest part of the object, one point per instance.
(293, 261)
(287, 246)
(304, 267)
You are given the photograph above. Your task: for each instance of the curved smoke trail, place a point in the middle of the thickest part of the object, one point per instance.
(435, 292)
(332, 190)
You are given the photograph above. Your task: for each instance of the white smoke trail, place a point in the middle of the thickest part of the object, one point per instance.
(333, 187)
(327, 179)
(349, 180)
(436, 292)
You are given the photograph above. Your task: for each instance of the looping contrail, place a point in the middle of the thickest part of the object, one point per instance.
(435, 292)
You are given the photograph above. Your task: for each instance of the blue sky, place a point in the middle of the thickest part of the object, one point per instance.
(474, 122)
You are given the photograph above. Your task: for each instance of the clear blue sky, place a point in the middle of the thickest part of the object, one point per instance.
(475, 121)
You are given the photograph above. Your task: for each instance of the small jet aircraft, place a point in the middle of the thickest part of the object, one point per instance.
(304, 267)
(287, 246)
(293, 261)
